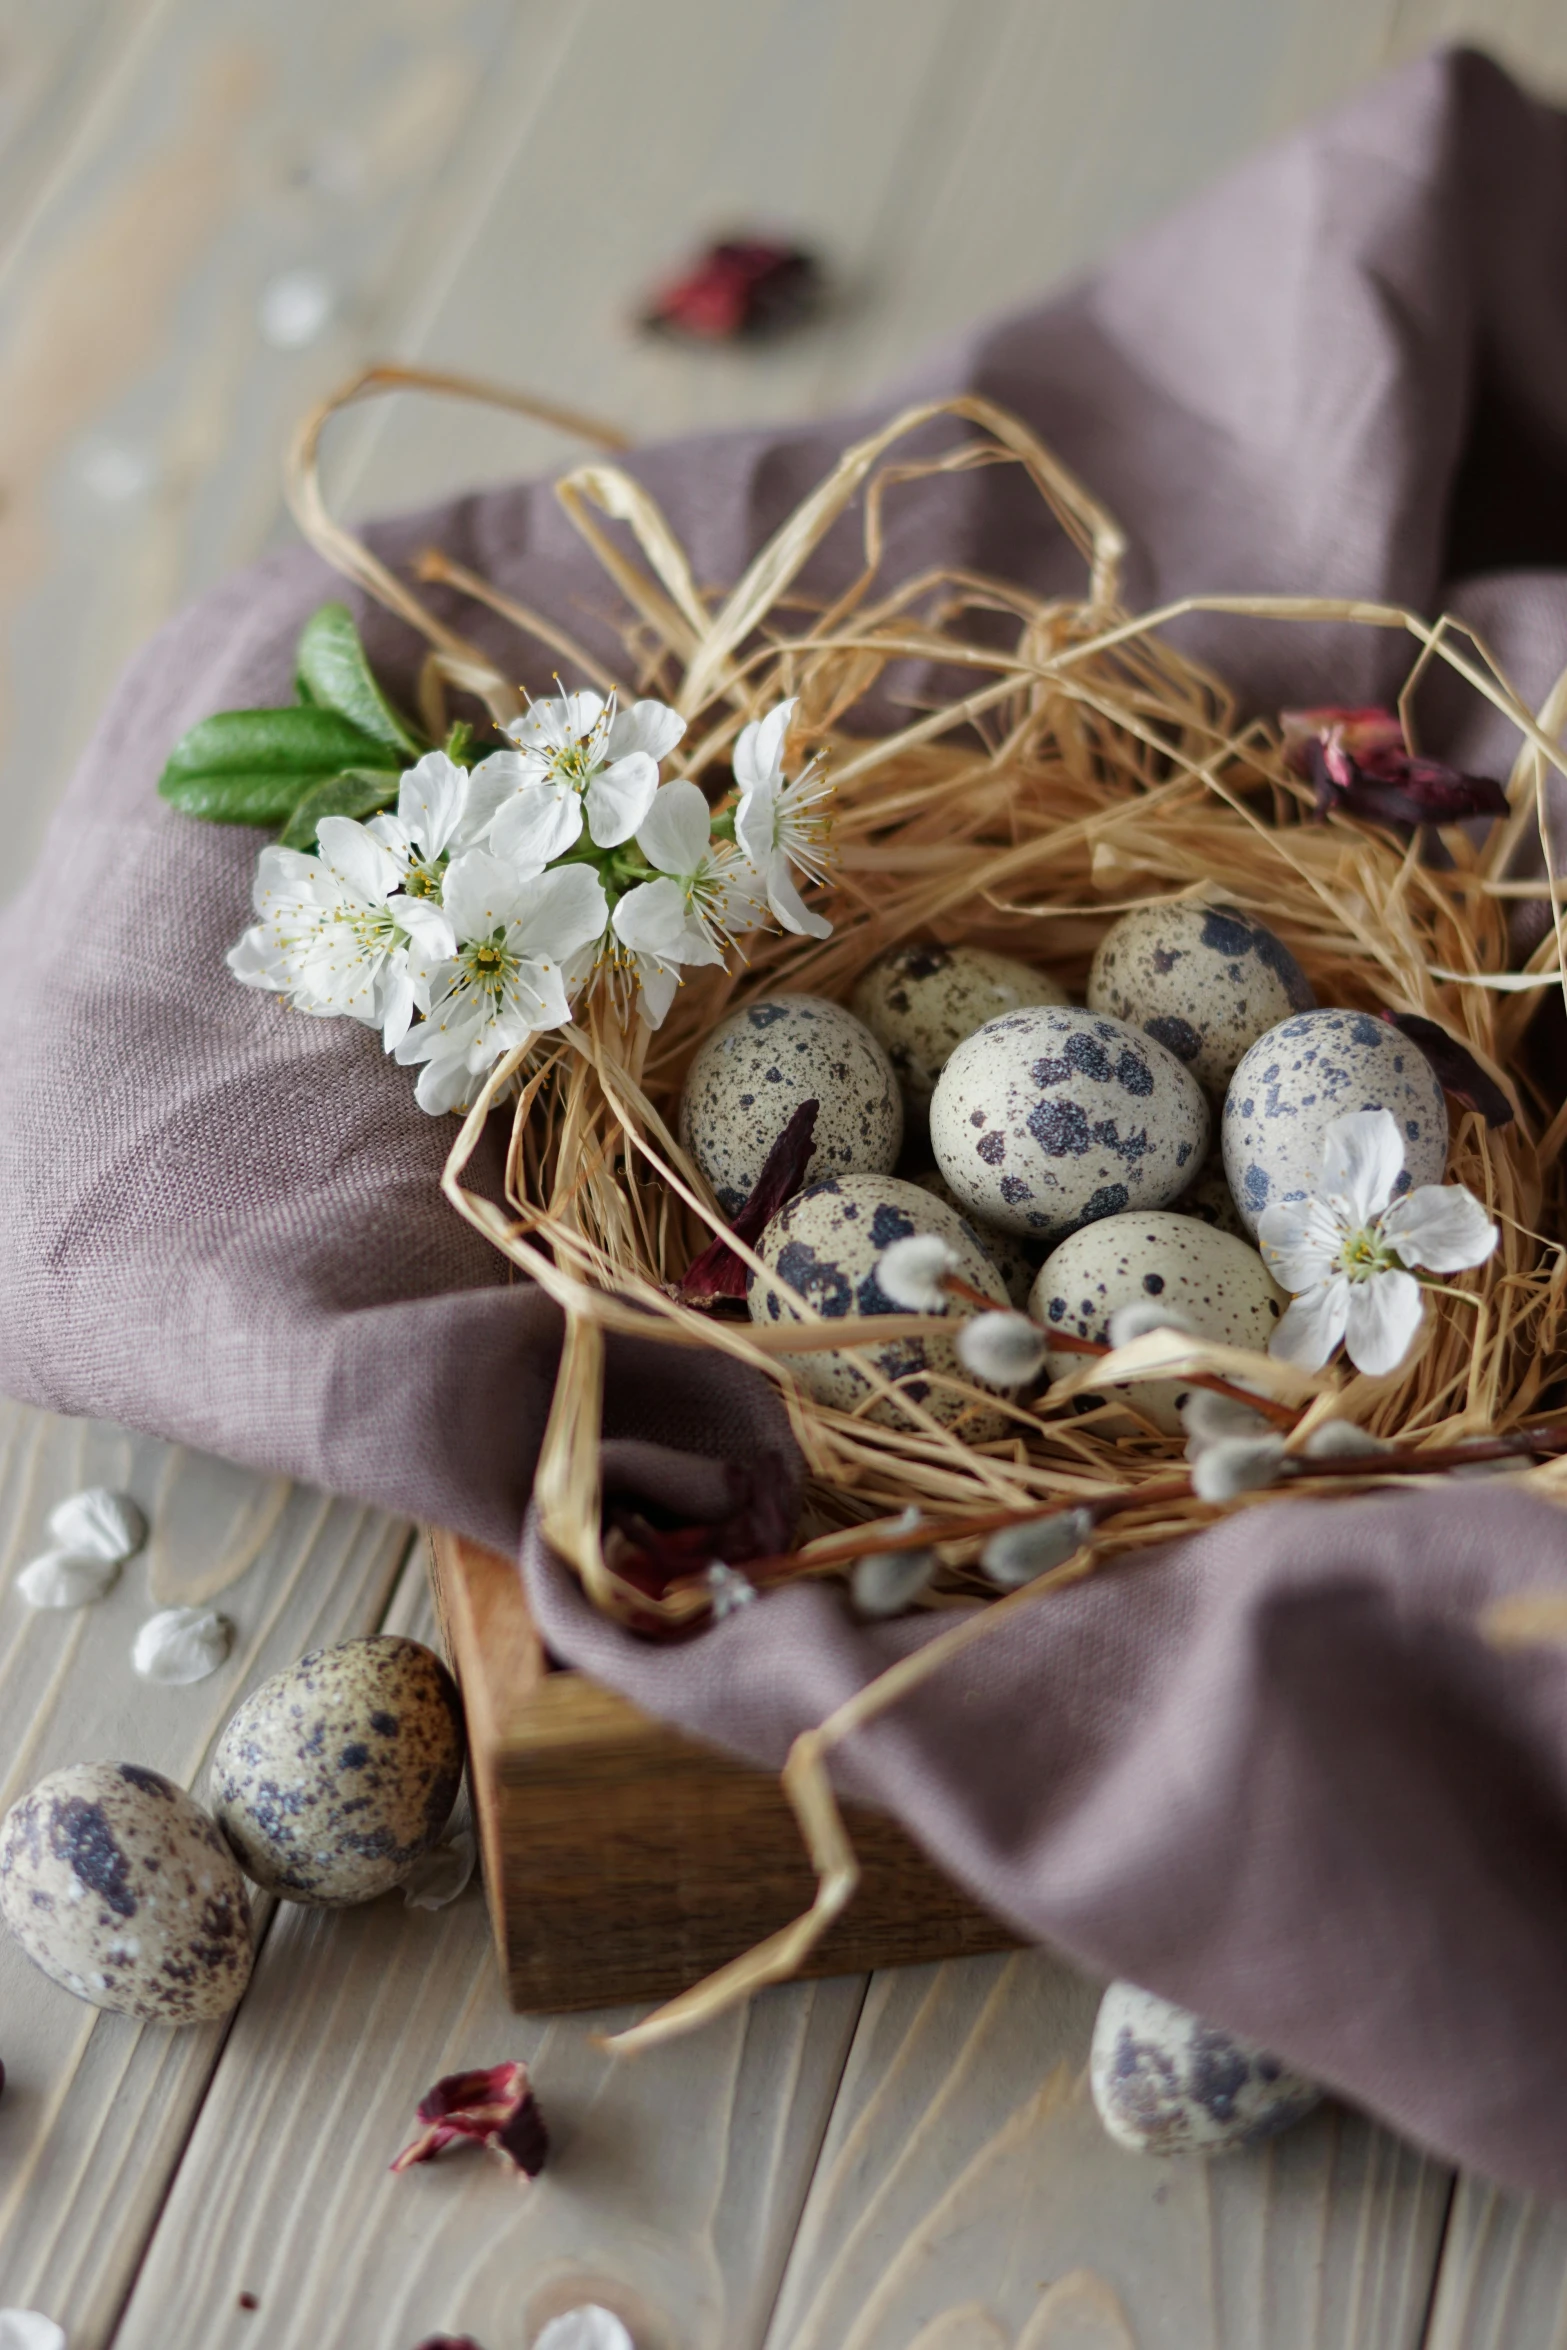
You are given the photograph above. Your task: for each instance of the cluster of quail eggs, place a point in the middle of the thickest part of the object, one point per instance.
(328, 1787)
(1086, 1156)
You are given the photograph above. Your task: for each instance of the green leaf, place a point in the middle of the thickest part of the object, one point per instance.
(250, 766)
(333, 672)
(359, 793)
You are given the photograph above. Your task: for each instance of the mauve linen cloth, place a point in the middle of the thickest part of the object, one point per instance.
(1276, 1773)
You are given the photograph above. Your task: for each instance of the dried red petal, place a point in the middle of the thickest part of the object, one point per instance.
(1359, 732)
(741, 287)
(1457, 1070)
(1393, 788)
(718, 1272)
(495, 2107)
(756, 1522)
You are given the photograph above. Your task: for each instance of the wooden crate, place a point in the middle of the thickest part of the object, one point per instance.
(625, 1861)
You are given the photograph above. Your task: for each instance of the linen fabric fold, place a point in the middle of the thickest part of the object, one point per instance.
(1276, 1774)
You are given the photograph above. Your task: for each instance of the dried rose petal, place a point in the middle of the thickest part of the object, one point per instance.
(718, 1272)
(741, 287)
(1358, 763)
(494, 2107)
(756, 1522)
(1457, 1070)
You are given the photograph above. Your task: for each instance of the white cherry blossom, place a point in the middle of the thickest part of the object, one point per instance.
(577, 758)
(685, 915)
(514, 935)
(328, 939)
(780, 824)
(1344, 1253)
(442, 809)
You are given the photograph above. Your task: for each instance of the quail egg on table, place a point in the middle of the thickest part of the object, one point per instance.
(337, 1775)
(1165, 2082)
(751, 1075)
(1207, 981)
(1218, 1286)
(1006, 1252)
(1053, 1117)
(1301, 1076)
(921, 1001)
(825, 1245)
(120, 1887)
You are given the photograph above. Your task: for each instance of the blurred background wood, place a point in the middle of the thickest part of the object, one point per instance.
(210, 211)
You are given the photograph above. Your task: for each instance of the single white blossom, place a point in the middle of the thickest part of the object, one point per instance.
(1019, 1554)
(910, 1272)
(442, 809)
(1343, 1252)
(98, 1524)
(1005, 1350)
(685, 916)
(780, 824)
(328, 939)
(63, 1578)
(1237, 1464)
(182, 1644)
(578, 758)
(513, 935)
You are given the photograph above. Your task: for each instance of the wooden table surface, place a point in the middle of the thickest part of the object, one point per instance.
(874, 2164)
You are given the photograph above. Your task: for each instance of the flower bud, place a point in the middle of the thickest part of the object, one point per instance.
(1018, 1554)
(911, 1271)
(1341, 1440)
(887, 1582)
(1237, 1464)
(1143, 1315)
(1005, 1350)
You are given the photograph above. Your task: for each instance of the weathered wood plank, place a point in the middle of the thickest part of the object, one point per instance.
(96, 2108)
(672, 2191)
(1502, 2282)
(967, 2197)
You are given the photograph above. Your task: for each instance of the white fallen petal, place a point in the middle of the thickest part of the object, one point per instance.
(29, 2329)
(590, 2327)
(886, 1582)
(437, 1877)
(62, 1579)
(1341, 1440)
(98, 1524)
(910, 1272)
(1017, 1554)
(1237, 1464)
(182, 1644)
(1005, 1350)
(1141, 1316)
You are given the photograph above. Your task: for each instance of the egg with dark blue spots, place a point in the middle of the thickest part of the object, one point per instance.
(825, 1246)
(1206, 981)
(1012, 1258)
(921, 1000)
(118, 1885)
(758, 1066)
(337, 1775)
(1053, 1117)
(1164, 2081)
(1302, 1075)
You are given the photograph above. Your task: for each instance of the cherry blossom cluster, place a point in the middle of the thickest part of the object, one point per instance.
(476, 915)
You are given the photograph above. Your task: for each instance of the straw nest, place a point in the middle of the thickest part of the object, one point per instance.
(1068, 762)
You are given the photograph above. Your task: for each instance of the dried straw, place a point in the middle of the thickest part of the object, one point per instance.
(1087, 766)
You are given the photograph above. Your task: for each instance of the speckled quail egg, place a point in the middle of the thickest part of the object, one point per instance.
(120, 1887)
(1006, 1252)
(1211, 1200)
(825, 1244)
(760, 1064)
(1053, 1117)
(1165, 2082)
(1218, 1285)
(923, 1000)
(1207, 981)
(1301, 1076)
(335, 1776)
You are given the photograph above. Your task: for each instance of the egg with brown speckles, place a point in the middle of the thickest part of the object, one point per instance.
(1006, 1252)
(118, 1885)
(1055, 1116)
(1218, 1285)
(826, 1245)
(335, 1776)
(1301, 1076)
(758, 1066)
(922, 1001)
(1206, 981)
